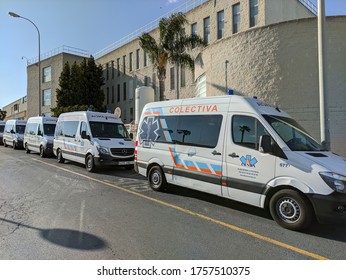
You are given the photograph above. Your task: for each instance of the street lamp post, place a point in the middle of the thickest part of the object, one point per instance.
(39, 58)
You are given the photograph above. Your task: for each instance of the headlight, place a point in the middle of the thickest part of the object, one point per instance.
(103, 150)
(335, 181)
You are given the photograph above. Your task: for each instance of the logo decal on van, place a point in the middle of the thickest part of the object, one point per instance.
(148, 131)
(248, 160)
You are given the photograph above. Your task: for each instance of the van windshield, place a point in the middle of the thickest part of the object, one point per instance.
(49, 129)
(2, 128)
(108, 130)
(296, 138)
(20, 129)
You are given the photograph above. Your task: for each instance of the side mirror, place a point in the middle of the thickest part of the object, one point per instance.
(85, 136)
(265, 145)
(39, 133)
(131, 135)
(12, 131)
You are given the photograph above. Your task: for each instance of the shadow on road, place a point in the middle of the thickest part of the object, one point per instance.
(67, 238)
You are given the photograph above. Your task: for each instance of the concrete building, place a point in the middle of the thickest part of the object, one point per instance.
(52, 64)
(16, 110)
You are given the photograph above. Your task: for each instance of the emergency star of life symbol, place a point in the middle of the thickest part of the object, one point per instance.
(248, 160)
(148, 131)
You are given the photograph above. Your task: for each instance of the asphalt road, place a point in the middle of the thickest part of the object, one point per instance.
(61, 212)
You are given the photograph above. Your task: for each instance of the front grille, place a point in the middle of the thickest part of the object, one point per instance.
(122, 151)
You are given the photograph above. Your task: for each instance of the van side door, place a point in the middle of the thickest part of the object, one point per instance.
(247, 170)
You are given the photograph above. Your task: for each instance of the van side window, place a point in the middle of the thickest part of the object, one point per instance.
(200, 131)
(69, 128)
(246, 131)
(31, 128)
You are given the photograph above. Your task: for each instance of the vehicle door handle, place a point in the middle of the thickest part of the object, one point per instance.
(216, 153)
(233, 155)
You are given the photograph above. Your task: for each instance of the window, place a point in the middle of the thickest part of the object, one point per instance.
(118, 91)
(108, 130)
(131, 89)
(118, 66)
(67, 128)
(107, 71)
(296, 138)
(124, 91)
(84, 129)
(124, 64)
(236, 17)
(206, 28)
(2, 128)
(108, 95)
(253, 13)
(246, 131)
(146, 81)
(194, 32)
(138, 56)
(195, 130)
(172, 78)
(201, 86)
(145, 59)
(112, 69)
(182, 76)
(49, 129)
(15, 107)
(220, 24)
(31, 128)
(47, 94)
(47, 74)
(131, 61)
(113, 94)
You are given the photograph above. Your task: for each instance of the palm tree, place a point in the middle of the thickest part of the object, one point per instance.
(172, 46)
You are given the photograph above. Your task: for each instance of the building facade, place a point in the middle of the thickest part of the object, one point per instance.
(17, 109)
(52, 65)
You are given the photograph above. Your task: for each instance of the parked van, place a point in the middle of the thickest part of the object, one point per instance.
(14, 133)
(94, 139)
(39, 135)
(2, 127)
(243, 149)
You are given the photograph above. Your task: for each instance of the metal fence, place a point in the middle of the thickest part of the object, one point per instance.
(187, 6)
(56, 51)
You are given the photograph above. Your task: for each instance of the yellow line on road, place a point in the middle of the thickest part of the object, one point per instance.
(232, 227)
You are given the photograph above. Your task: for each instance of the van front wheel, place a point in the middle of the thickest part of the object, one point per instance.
(291, 210)
(157, 179)
(89, 163)
(42, 154)
(27, 149)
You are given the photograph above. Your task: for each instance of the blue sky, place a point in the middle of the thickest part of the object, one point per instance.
(90, 25)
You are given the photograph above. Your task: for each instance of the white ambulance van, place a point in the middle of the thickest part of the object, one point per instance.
(2, 127)
(14, 133)
(39, 135)
(243, 149)
(94, 139)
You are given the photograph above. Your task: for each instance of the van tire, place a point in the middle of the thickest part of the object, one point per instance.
(27, 149)
(59, 156)
(157, 179)
(89, 163)
(42, 154)
(5, 145)
(291, 210)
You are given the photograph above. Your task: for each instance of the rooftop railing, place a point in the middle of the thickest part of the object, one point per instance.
(310, 5)
(56, 51)
(187, 6)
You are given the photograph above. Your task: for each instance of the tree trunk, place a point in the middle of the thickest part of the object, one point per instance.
(161, 89)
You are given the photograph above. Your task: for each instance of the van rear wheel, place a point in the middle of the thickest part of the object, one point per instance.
(90, 164)
(59, 156)
(5, 145)
(291, 210)
(27, 149)
(157, 179)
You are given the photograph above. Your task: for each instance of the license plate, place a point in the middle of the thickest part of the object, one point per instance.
(126, 162)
